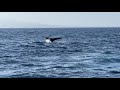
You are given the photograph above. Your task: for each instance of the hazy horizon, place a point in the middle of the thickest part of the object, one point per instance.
(52, 27)
(59, 19)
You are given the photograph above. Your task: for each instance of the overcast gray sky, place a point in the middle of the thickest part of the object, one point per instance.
(67, 19)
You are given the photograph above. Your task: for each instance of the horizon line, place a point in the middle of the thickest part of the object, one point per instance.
(63, 27)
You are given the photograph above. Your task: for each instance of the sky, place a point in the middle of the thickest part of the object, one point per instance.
(59, 19)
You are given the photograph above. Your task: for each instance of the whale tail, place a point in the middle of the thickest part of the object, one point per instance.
(52, 39)
(56, 38)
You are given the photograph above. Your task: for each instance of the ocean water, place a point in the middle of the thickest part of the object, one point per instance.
(81, 53)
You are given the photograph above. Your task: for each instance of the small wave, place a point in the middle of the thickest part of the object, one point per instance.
(99, 69)
(66, 67)
(22, 75)
(28, 65)
(108, 60)
(23, 45)
(26, 46)
(115, 72)
(28, 75)
(57, 67)
(107, 52)
(7, 56)
(11, 61)
(38, 43)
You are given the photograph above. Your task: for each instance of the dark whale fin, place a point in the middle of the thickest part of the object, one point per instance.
(53, 39)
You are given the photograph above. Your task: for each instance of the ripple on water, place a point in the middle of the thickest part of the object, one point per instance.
(108, 52)
(114, 72)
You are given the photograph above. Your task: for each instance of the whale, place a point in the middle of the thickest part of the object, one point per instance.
(51, 40)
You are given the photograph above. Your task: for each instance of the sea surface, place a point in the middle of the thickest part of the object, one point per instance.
(81, 53)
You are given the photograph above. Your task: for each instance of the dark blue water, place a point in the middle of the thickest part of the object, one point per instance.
(81, 53)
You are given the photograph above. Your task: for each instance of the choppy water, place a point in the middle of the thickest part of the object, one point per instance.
(81, 53)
